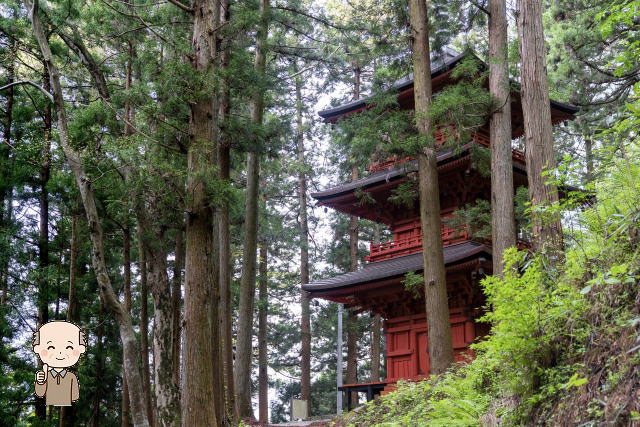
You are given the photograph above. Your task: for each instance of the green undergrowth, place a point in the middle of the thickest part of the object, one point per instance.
(565, 342)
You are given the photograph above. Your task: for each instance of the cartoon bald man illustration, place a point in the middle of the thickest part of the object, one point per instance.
(59, 345)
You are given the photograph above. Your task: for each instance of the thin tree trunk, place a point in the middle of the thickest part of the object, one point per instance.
(263, 380)
(376, 324)
(248, 278)
(176, 300)
(503, 227)
(5, 186)
(167, 400)
(437, 308)
(126, 251)
(305, 322)
(536, 109)
(588, 152)
(97, 397)
(226, 306)
(144, 324)
(199, 386)
(352, 317)
(73, 314)
(68, 413)
(247, 292)
(375, 348)
(43, 238)
(128, 131)
(127, 335)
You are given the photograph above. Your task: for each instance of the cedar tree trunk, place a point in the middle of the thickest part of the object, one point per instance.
(248, 278)
(435, 285)
(305, 318)
(144, 324)
(263, 305)
(503, 228)
(198, 383)
(536, 109)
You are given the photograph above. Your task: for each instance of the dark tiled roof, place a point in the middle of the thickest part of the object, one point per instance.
(386, 175)
(394, 267)
(449, 59)
(438, 66)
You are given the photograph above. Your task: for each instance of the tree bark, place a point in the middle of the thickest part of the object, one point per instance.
(167, 399)
(536, 109)
(199, 387)
(176, 302)
(352, 318)
(224, 163)
(437, 308)
(97, 397)
(128, 131)
(126, 253)
(5, 186)
(247, 280)
(588, 152)
(73, 314)
(376, 324)
(305, 320)
(247, 292)
(263, 305)
(144, 324)
(43, 236)
(68, 413)
(127, 335)
(375, 348)
(503, 228)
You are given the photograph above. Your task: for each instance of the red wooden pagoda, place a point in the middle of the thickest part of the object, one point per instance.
(377, 288)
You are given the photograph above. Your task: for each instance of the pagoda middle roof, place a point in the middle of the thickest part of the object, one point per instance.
(397, 267)
(391, 173)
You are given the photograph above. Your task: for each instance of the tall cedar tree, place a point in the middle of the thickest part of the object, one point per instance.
(352, 317)
(199, 388)
(305, 317)
(224, 166)
(127, 335)
(435, 285)
(536, 109)
(503, 228)
(248, 279)
(43, 235)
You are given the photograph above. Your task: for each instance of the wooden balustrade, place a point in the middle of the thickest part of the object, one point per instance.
(409, 245)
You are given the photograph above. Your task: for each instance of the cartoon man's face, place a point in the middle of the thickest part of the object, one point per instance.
(60, 344)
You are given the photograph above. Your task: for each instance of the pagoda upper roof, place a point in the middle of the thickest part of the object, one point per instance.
(439, 66)
(397, 267)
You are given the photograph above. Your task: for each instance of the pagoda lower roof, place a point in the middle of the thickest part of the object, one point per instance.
(397, 267)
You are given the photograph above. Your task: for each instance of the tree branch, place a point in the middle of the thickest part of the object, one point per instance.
(481, 7)
(28, 82)
(182, 6)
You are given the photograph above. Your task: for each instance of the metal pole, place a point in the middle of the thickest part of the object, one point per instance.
(339, 364)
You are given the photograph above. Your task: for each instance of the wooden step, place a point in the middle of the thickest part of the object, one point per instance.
(388, 389)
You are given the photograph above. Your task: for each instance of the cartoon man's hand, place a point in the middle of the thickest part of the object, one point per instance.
(41, 376)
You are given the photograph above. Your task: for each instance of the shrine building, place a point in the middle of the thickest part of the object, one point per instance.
(377, 288)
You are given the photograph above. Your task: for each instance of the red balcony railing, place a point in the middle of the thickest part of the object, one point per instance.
(411, 245)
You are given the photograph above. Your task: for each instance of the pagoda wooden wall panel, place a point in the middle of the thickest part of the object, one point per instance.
(408, 342)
